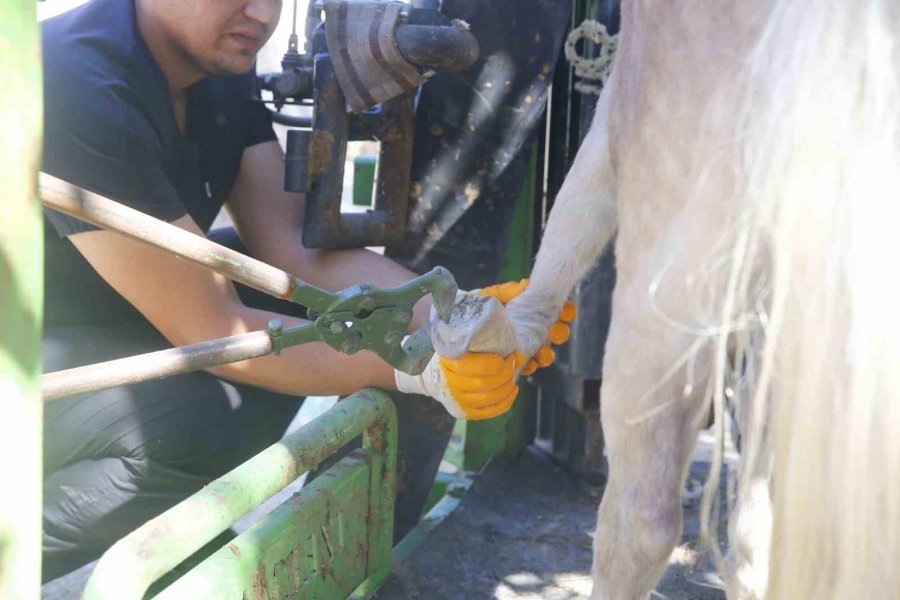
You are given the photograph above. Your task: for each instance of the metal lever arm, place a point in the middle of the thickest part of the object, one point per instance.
(359, 318)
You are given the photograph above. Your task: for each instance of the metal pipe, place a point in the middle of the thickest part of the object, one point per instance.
(136, 561)
(176, 361)
(103, 212)
(444, 48)
(155, 365)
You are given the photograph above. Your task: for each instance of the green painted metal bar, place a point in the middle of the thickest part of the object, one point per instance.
(364, 179)
(454, 490)
(484, 439)
(517, 264)
(21, 301)
(127, 570)
(331, 540)
(313, 545)
(382, 443)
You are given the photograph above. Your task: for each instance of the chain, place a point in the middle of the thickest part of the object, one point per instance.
(592, 69)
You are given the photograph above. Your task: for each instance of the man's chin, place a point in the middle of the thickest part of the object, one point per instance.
(235, 66)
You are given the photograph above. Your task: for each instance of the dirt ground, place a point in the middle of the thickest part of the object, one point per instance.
(523, 532)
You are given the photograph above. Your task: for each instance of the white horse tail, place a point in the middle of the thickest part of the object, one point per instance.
(581, 225)
(823, 193)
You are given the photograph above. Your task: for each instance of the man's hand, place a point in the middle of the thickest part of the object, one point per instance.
(473, 387)
(559, 331)
(481, 386)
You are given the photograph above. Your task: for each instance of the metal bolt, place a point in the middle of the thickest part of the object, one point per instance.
(336, 327)
(275, 329)
(350, 347)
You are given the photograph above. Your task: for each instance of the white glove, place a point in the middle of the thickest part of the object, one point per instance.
(471, 385)
(474, 387)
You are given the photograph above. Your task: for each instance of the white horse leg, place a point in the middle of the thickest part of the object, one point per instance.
(750, 525)
(580, 226)
(640, 517)
(749, 536)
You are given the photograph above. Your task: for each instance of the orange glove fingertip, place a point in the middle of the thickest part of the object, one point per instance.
(559, 333)
(545, 356)
(491, 290)
(568, 312)
(504, 292)
(514, 290)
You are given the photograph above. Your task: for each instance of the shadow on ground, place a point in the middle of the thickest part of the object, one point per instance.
(524, 531)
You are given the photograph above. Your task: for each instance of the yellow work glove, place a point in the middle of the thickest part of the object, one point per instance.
(473, 387)
(559, 332)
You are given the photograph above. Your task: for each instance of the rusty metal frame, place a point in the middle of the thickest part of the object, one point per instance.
(392, 124)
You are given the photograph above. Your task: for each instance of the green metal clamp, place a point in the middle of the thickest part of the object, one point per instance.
(331, 540)
(365, 317)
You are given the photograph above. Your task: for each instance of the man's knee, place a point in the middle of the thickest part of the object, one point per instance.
(91, 504)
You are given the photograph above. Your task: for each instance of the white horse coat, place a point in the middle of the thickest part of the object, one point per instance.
(746, 155)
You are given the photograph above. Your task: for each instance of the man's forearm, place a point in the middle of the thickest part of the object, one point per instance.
(312, 369)
(335, 270)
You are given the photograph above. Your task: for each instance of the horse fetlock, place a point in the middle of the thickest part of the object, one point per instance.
(531, 321)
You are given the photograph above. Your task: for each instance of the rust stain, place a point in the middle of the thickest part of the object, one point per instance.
(320, 152)
(235, 549)
(290, 291)
(259, 585)
(393, 135)
(296, 568)
(289, 564)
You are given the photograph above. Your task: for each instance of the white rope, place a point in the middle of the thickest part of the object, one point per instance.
(592, 69)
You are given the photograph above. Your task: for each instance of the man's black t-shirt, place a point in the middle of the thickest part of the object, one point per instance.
(110, 127)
